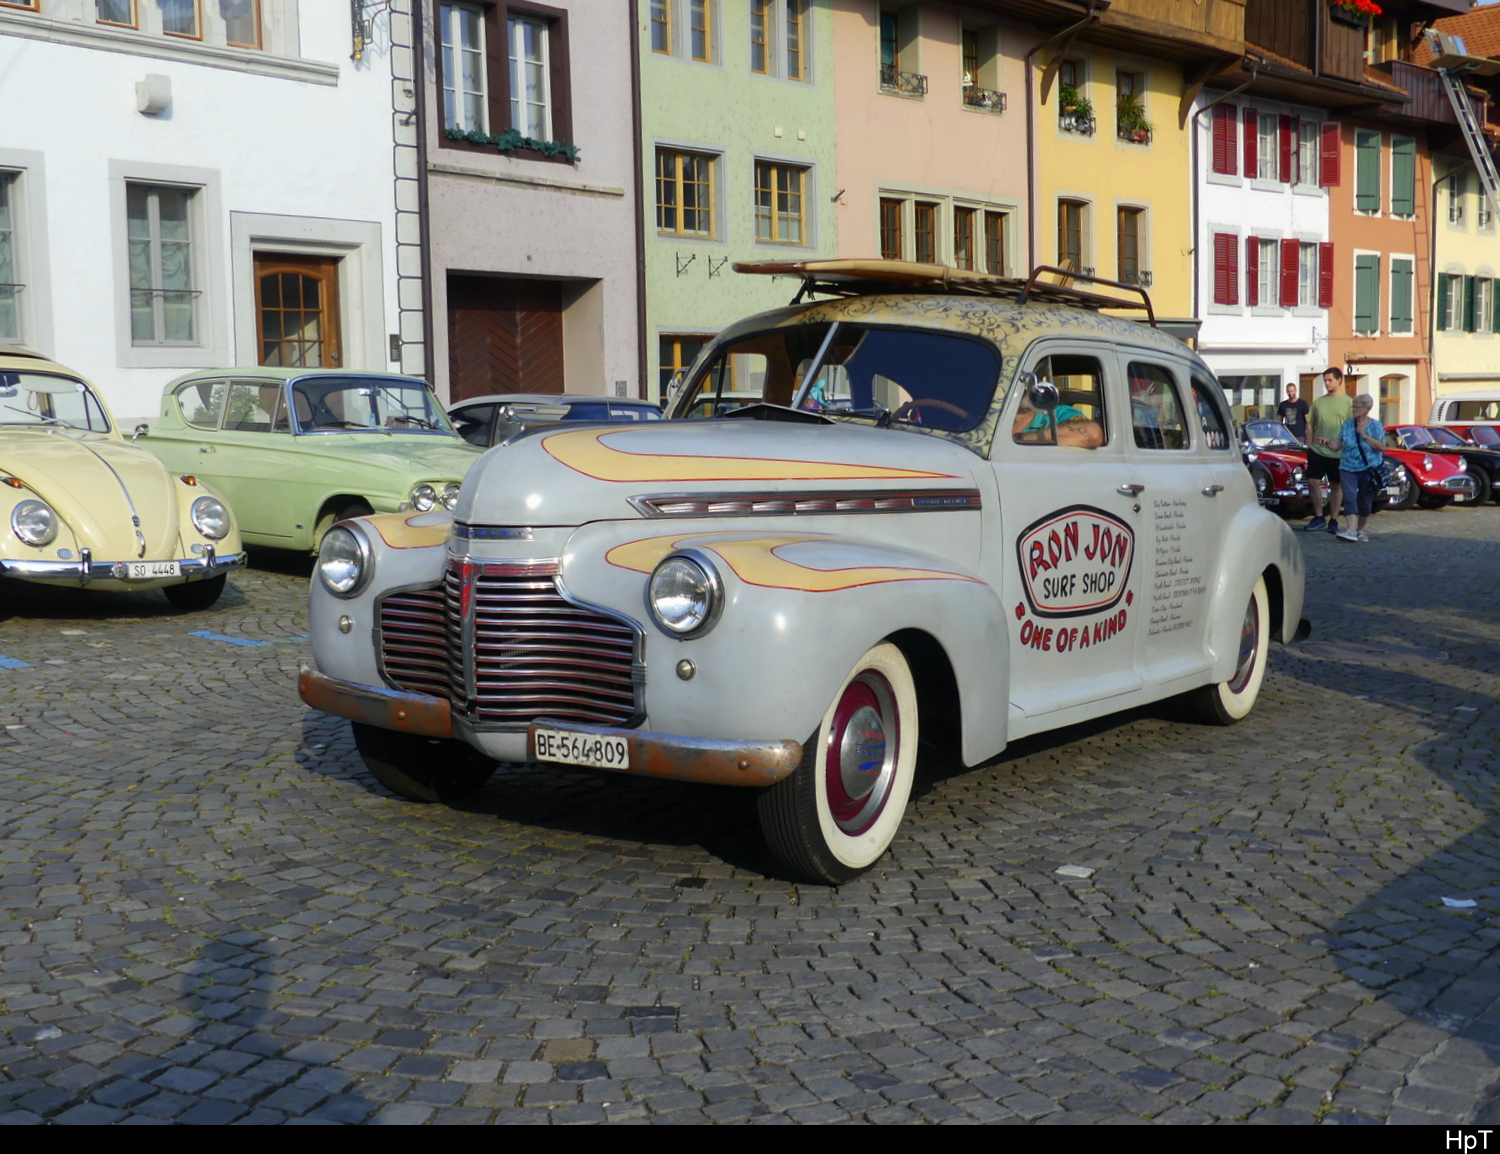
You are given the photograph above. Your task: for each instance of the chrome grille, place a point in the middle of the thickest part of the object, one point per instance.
(535, 654)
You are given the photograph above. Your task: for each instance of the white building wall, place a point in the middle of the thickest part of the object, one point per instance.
(288, 148)
(1266, 340)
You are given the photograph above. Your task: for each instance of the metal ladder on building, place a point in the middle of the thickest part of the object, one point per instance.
(1452, 62)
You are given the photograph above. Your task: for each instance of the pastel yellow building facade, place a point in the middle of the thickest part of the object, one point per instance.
(1466, 274)
(1114, 171)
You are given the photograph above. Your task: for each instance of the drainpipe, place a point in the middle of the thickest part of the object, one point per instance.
(1090, 17)
(643, 388)
(1255, 62)
(424, 216)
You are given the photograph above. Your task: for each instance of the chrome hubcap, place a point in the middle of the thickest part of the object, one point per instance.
(861, 752)
(1249, 643)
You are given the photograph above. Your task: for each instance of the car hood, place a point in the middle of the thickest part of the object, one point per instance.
(97, 486)
(572, 476)
(424, 458)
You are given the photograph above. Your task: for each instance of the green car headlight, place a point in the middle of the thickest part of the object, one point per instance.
(424, 498)
(450, 497)
(345, 563)
(210, 517)
(34, 522)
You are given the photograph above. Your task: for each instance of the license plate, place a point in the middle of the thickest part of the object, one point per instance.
(582, 749)
(144, 570)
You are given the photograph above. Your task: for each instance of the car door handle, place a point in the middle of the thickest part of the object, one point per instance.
(207, 449)
(1131, 490)
(1213, 490)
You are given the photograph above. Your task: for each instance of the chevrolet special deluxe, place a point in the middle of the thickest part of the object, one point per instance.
(965, 510)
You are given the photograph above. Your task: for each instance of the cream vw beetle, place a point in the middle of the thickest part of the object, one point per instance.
(84, 508)
(965, 510)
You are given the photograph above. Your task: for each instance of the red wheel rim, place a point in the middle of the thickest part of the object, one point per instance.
(861, 750)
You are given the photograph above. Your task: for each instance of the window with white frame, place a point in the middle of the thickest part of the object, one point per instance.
(1484, 304)
(465, 97)
(530, 88)
(163, 297)
(1266, 265)
(1267, 142)
(1306, 160)
(1457, 186)
(1484, 215)
(10, 270)
(1307, 276)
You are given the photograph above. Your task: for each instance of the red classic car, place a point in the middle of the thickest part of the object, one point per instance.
(1482, 462)
(1429, 479)
(1277, 462)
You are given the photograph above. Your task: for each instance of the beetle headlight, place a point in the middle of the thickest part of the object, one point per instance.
(685, 594)
(424, 498)
(34, 522)
(450, 497)
(210, 517)
(345, 562)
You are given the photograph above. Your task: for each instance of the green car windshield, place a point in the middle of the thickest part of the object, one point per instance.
(330, 404)
(51, 401)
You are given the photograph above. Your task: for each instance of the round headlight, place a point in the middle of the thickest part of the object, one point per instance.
(450, 497)
(210, 517)
(34, 522)
(685, 595)
(344, 561)
(1297, 475)
(424, 498)
(1463, 465)
(1427, 463)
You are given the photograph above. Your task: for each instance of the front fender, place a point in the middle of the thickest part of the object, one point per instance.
(1256, 542)
(800, 608)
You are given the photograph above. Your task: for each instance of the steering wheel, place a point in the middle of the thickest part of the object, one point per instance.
(911, 411)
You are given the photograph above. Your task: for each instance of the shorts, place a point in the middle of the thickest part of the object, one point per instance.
(1321, 468)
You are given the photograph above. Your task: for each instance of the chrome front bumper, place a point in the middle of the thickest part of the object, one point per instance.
(1462, 484)
(86, 569)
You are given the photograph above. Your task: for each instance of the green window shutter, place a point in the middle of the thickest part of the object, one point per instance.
(1495, 298)
(1403, 176)
(1366, 293)
(1468, 304)
(1442, 304)
(1367, 171)
(1401, 317)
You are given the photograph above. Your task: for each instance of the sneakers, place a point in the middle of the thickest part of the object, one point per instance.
(1363, 536)
(1314, 525)
(1333, 526)
(1348, 535)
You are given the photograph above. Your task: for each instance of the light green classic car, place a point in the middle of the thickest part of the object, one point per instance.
(294, 451)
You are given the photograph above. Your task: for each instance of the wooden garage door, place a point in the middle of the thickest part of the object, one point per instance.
(504, 336)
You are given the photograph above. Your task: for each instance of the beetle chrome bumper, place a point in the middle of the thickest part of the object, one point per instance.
(86, 569)
(711, 761)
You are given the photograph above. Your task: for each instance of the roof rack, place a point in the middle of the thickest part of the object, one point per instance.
(847, 278)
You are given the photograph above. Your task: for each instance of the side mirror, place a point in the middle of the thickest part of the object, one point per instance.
(1042, 394)
(140, 431)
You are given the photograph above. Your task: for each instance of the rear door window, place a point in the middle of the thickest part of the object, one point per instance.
(1210, 414)
(1155, 409)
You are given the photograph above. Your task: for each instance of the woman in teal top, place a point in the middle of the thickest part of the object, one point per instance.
(1360, 466)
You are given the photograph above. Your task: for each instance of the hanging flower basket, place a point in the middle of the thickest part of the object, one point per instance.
(1355, 12)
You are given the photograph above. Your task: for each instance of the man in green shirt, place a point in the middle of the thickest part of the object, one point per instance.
(1324, 421)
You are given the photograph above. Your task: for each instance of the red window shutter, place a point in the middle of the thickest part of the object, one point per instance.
(1224, 140)
(1285, 173)
(1252, 271)
(1252, 133)
(1329, 154)
(1226, 269)
(1290, 250)
(1325, 276)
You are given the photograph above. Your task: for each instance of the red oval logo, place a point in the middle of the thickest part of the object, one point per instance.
(1075, 561)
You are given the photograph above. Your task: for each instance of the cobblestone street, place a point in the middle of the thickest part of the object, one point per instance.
(209, 912)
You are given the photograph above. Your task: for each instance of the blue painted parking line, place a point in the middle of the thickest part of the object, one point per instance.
(13, 663)
(225, 637)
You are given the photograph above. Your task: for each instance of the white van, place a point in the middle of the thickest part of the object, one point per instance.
(1478, 405)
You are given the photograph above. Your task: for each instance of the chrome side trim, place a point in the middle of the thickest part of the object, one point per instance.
(805, 503)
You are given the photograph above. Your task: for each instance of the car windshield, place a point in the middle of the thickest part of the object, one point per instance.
(1414, 438)
(1445, 438)
(47, 400)
(1485, 435)
(903, 378)
(329, 404)
(1271, 435)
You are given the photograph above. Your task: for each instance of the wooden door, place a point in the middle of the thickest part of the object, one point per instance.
(505, 335)
(297, 322)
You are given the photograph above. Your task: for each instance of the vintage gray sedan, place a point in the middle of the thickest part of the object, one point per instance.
(965, 510)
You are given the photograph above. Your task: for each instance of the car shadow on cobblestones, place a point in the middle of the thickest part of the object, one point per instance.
(32, 601)
(624, 810)
(1423, 945)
